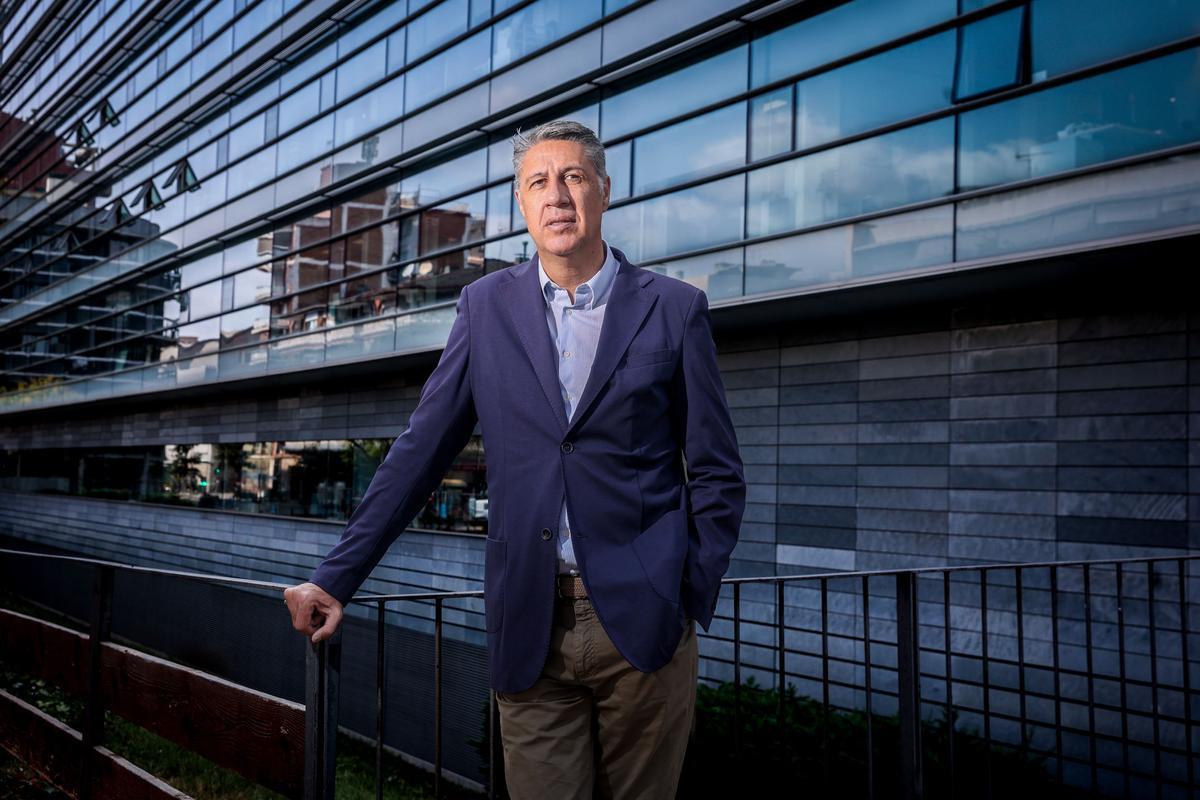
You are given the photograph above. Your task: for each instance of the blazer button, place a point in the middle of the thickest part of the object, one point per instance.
(546, 534)
(567, 447)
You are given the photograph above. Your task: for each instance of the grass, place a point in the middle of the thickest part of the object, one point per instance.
(184, 769)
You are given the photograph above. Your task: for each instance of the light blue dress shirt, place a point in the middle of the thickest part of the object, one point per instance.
(575, 331)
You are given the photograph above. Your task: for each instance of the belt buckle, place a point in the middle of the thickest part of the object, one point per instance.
(567, 587)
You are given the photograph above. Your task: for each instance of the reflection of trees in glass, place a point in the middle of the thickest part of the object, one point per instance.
(228, 462)
(183, 469)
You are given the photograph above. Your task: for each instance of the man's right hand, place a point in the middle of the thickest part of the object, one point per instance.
(315, 612)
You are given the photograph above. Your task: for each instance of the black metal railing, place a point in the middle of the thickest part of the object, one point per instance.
(1085, 669)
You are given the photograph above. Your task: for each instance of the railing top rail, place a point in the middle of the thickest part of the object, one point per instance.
(171, 573)
(434, 595)
(963, 568)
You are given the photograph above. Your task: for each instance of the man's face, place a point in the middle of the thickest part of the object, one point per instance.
(561, 197)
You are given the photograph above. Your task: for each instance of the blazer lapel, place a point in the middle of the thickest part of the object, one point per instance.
(628, 305)
(527, 307)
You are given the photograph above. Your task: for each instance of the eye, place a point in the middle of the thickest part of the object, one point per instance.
(573, 177)
(537, 183)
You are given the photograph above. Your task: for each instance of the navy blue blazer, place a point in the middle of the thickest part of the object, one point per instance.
(652, 531)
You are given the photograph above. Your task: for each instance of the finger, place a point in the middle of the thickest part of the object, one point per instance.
(332, 618)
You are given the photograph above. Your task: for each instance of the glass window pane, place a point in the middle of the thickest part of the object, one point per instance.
(457, 222)
(252, 285)
(901, 167)
(435, 27)
(839, 32)
(365, 251)
(297, 108)
(396, 43)
(1125, 202)
(246, 137)
(771, 123)
(374, 109)
(511, 251)
(537, 25)
(690, 149)
(1069, 34)
(364, 68)
(204, 301)
(447, 71)
(300, 312)
(690, 219)
(253, 171)
(889, 87)
(369, 295)
(435, 279)
(1138, 109)
(500, 155)
(616, 164)
(305, 144)
(430, 185)
(697, 85)
(833, 255)
(355, 341)
(499, 209)
(989, 54)
(245, 326)
(718, 274)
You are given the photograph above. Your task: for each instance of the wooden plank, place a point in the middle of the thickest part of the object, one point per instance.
(49, 651)
(259, 736)
(53, 749)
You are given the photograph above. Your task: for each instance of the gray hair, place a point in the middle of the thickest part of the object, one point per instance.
(563, 130)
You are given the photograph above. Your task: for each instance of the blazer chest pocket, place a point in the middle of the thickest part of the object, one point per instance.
(647, 358)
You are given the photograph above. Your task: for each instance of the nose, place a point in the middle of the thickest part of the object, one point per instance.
(558, 194)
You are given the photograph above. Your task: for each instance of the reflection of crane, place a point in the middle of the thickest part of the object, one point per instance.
(525, 250)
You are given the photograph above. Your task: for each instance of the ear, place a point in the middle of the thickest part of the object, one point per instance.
(607, 190)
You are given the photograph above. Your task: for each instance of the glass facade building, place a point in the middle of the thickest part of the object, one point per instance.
(218, 192)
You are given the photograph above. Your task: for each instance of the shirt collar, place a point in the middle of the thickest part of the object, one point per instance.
(597, 286)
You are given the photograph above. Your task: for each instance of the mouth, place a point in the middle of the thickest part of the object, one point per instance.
(560, 224)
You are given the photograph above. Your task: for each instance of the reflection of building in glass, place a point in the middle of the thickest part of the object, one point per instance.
(914, 223)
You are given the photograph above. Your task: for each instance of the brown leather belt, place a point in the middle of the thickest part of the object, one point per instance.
(571, 587)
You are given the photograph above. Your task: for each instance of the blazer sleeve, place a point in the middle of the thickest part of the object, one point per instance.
(716, 485)
(437, 431)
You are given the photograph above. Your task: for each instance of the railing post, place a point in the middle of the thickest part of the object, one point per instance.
(101, 628)
(908, 679)
(321, 679)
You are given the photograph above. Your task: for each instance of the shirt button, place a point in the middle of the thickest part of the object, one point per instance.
(567, 447)
(546, 534)
(566, 353)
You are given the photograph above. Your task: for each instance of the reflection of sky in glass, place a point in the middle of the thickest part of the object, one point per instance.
(698, 217)
(889, 87)
(537, 25)
(771, 123)
(988, 57)
(1134, 200)
(436, 182)
(1069, 34)
(904, 166)
(718, 274)
(436, 26)
(616, 164)
(839, 32)
(446, 71)
(1145, 107)
(676, 93)
(889, 244)
(700, 146)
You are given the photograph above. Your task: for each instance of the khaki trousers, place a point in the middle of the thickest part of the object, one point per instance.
(593, 725)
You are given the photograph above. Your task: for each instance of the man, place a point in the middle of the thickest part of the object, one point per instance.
(615, 488)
